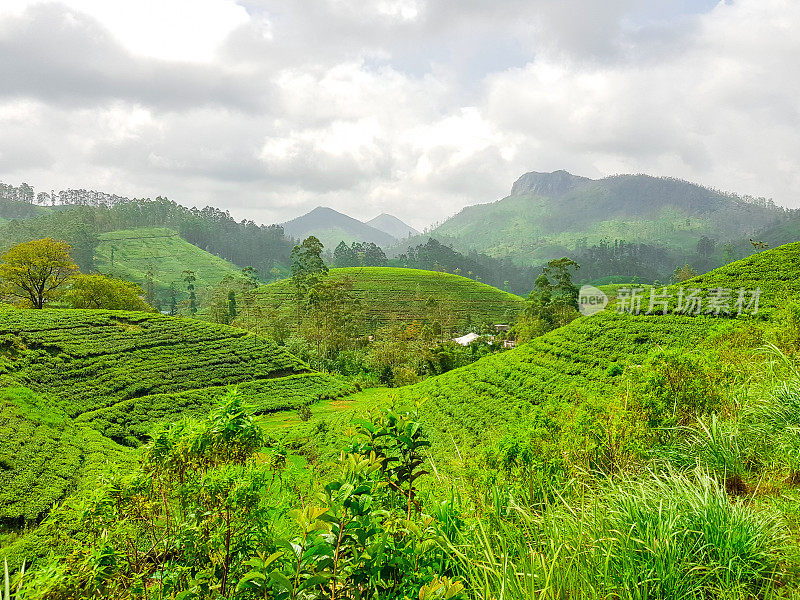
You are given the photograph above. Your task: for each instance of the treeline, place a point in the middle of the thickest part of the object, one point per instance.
(621, 259)
(359, 254)
(624, 259)
(243, 243)
(25, 193)
(501, 273)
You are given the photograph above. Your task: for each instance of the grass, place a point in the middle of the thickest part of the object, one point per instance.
(676, 536)
(135, 251)
(388, 293)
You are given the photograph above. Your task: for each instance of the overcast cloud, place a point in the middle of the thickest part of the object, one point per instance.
(414, 107)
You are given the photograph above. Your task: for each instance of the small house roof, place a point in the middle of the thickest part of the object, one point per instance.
(466, 340)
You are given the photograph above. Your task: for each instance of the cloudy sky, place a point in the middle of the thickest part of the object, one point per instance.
(415, 107)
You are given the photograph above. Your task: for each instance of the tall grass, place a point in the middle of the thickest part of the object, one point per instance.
(672, 535)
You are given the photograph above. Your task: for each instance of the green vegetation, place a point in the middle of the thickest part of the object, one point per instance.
(539, 222)
(32, 272)
(81, 384)
(620, 455)
(158, 257)
(82, 217)
(99, 291)
(387, 294)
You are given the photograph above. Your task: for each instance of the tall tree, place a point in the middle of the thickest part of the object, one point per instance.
(189, 278)
(173, 299)
(308, 268)
(553, 301)
(34, 271)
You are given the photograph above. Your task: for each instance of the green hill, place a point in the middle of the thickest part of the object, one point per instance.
(80, 385)
(548, 215)
(570, 365)
(571, 362)
(388, 293)
(130, 253)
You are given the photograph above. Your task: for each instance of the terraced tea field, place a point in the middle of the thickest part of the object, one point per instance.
(80, 385)
(467, 406)
(388, 293)
(130, 253)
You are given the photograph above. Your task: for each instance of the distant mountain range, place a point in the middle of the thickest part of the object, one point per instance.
(332, 227)
(616, 228)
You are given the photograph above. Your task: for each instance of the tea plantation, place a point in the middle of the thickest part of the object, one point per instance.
(468, 407)
(78, 386)
(131, 253)
(388, 293)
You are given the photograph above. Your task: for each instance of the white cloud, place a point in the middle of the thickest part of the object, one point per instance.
(184, 30)
(418, 108)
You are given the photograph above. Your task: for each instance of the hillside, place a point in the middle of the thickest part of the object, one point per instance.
(79, 385)
(393, 226)
(571, 362)
(15, 209)
(130, 253)
(332, 227)
(568, 366)
(548, 215)
(388, 293)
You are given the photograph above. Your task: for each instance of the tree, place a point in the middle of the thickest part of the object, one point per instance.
(251, 275)
(552, 303)
(99, 291)
(333, 318)
(173, 299)
(308, 269)
(232, 305)
(343, 256)
(149, 283)
(705, 246)
(189, 278)
(683, 273)
(34, 271)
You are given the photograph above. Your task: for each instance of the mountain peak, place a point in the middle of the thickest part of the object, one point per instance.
(547, 184)
(392, 225)
(332, 227)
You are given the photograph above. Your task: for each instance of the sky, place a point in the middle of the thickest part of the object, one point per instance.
(417, 108)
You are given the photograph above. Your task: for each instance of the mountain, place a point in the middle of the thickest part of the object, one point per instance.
(548, 215)
(393, 226)
(332, 227)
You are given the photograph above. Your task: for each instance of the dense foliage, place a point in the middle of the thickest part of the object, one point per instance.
(501, 273)
(32, 272)
(533, 228)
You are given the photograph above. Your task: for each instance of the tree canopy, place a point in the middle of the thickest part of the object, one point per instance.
(34, 271)
(99, 291)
